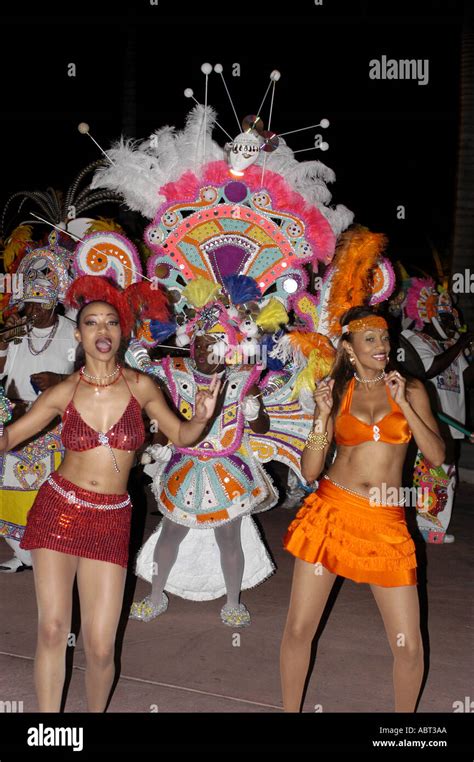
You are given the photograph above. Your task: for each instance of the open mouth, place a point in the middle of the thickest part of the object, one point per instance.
(103, 345)
(380, 358)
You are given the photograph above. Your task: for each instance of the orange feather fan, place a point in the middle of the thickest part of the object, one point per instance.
(306, 341)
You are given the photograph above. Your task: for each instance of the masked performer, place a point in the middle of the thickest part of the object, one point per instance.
(207, 492)
(39, 354)
(436, 339)
(79, 523)
(346, 527)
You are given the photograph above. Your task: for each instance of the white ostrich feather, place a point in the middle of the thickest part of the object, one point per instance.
(285, 351)
(140, 169)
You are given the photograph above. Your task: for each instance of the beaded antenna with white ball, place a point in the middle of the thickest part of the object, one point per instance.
(84, 129)
(206, 69)
(255, 138)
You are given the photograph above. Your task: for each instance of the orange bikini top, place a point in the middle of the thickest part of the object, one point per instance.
(349, 430)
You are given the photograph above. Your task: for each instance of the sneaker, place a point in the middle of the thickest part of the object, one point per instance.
(14, 565)
(145, 610)
(235, 616)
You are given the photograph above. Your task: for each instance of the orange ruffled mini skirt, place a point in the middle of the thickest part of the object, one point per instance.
(352, 538)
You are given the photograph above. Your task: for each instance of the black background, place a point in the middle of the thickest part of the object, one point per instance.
(391, 141)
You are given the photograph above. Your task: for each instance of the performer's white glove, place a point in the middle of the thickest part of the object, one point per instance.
(156, 452)
(250, 407)
(306, 400)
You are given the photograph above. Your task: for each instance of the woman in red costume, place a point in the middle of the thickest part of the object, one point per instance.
(79, 524)
(346, 527)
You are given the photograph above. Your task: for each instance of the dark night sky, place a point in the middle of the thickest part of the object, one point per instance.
(391, 142)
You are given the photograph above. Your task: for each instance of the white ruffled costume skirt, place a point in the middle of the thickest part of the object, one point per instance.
(197, 574)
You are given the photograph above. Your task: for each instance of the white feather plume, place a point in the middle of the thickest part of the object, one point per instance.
(140, 169)
(285, 351)
(309, 178)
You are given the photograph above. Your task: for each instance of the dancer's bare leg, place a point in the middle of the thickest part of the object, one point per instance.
(309, 594)
(400, 610)
(101, 587)
(54, 579)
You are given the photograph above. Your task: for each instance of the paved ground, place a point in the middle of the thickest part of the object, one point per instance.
(187, 661)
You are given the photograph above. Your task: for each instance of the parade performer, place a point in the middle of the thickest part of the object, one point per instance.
(248, 210)
(440, 346)
(37, 351)
(79, 523)
(207, 492)
(221, 480)
(346, 527)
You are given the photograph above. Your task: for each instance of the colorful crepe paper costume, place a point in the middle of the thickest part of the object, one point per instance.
(424, 303)
(209, 485)
(46, 273)
(231, 231)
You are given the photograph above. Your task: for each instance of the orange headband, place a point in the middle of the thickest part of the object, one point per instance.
(363, 324)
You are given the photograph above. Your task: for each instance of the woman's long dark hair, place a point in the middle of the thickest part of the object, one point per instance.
(342, 370)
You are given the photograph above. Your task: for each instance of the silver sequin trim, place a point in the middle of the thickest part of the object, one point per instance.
(70, 496)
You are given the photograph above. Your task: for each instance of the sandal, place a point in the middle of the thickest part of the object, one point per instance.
(235, 616)
(145, 610)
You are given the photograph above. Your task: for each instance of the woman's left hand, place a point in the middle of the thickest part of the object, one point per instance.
(397, 385)
(205, 402)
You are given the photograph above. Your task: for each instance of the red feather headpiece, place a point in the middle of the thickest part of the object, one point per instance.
(96, 288)
(147, 302)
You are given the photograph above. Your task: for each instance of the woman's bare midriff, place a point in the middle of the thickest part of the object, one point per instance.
(368, 465)
(94, 469)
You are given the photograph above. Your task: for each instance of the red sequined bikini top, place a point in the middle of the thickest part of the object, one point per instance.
(127, 434)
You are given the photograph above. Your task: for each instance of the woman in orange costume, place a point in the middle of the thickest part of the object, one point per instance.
(345, 527)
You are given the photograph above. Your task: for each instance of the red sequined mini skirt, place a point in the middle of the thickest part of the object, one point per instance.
(70, 519)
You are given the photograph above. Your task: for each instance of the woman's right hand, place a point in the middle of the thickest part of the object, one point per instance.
(323, 397)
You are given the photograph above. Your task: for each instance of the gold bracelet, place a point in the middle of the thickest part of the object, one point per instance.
(317, 440)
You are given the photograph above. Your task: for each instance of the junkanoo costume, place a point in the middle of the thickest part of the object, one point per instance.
(337, 527)
(46, 275)
(423, 304)
(206, 486)
(230, 244)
